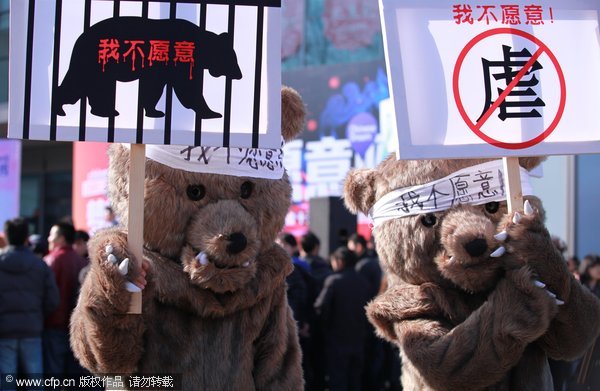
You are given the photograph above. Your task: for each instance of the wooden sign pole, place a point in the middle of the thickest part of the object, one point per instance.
(512, 181)
(135, 220)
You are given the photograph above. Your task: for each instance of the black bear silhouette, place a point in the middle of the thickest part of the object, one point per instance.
(156, 52)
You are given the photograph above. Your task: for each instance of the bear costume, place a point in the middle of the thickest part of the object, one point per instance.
(214, 309)
(478, 298)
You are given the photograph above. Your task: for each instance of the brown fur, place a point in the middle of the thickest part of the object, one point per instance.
(224, 325)
(471, 323)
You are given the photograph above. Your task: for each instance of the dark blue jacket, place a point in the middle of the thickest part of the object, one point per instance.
(341, 310)
(28, 292)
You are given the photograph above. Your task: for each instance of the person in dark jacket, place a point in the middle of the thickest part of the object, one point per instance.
(340, 308)
(66, 265)
(28, 292)
(319, 270)
(368, 266)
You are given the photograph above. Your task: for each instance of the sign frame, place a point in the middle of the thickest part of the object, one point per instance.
(255, 125)
(405, 107)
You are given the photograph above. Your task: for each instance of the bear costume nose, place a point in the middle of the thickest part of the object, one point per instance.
(476, 247)
(236, 242)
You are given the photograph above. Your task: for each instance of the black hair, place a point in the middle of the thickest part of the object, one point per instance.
(16, 231)
(309, 242)
(357, 238)
(81, 235)
(346, 256)
(67, 231)
(586, 264)
(288, 238)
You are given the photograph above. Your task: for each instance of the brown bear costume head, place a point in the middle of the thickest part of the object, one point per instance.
(446, 247)
(214, 224)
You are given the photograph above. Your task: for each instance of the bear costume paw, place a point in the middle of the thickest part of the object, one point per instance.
(123, 268)
(525, 237)
(113, 272)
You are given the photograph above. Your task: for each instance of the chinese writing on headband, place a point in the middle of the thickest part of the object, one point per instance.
(254, 158)
(509, 14)
(110, 49)
(461, 189)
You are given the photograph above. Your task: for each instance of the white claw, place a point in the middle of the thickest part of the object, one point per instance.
(131, 287)
(516, 218)
(498, 252)
(451, 259)
(108, 249)
(246, 264)
(112, 259)
(528, 208)
(202, 258)
(552, 295)
(559, 302)
(539, 284)
(124, 267)
(501, 236)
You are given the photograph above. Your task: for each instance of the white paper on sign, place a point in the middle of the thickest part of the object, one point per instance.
(183, 72)
(503, 79)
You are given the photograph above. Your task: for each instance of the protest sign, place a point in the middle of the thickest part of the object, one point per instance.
(166, 72)
(153, 72)
(493, 78)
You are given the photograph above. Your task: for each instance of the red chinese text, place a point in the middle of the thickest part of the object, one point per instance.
(508, 14)
(139, 52)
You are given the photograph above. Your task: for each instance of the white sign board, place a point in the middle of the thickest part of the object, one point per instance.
(493, 78)
(185, 72)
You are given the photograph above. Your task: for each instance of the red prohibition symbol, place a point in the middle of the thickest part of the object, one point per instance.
(476, 126)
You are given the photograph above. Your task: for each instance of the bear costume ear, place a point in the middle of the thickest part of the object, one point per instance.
(292, 113)
(531, 162)
(359, 190)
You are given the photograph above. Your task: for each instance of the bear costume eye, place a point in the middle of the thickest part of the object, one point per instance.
(429, 220)
(196, 192)
(492, 207)
(246, 189)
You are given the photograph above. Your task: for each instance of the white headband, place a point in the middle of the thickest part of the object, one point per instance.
(474, 185)
(243, 162)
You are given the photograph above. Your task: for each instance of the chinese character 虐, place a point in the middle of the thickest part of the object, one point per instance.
(510, 67)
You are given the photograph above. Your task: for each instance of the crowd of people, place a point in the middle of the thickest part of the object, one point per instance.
(582, 374)
(340, 348)
(39, 286)
(40, 281)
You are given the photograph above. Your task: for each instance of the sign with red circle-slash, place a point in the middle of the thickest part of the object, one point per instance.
(517, 105)
(468, 80)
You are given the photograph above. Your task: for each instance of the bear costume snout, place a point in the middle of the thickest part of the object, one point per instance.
(222, 247)
(466, 246)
